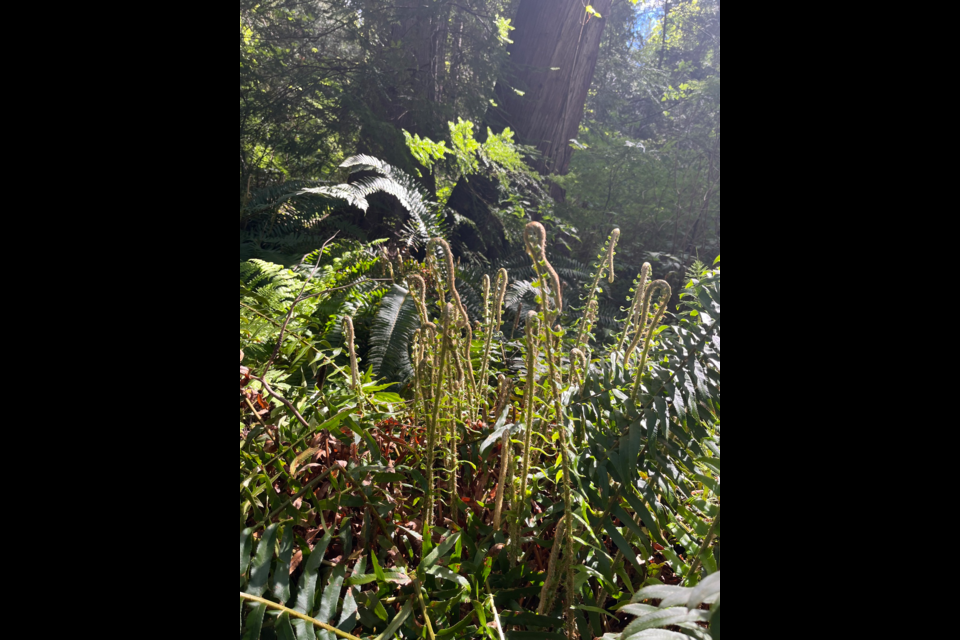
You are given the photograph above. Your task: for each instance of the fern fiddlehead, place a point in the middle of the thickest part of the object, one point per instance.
(535, 236)
(644, 318)
(605, 261)
(667, 290)
(640, 293)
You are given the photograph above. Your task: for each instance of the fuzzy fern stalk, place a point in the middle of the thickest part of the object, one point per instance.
(530, 395)
(549, 593)
(458, 389)
(417, 391)
(439, 244)
(492, 327)
(639, 294)
(586, 328)
(667, 291)
(506, 456)
(535, 236)
(419, 288)
(605, 262)
(351, 340)
(644, 318)
(614, 239)
(567, 489)
(432, 436)
(536, 231)
(487, 346)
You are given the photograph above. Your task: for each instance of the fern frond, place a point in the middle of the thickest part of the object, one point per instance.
(424, 224)
(392, 335)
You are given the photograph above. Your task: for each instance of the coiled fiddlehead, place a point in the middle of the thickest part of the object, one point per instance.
(614, 239)
(576, 358)
(664, 287)
(535, 236)
(464, 318)
(640, 293)
(605, 261)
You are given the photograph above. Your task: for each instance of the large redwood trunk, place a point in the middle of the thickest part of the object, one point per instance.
(552, 62)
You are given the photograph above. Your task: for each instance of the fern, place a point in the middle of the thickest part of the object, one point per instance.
(679, 607)
(424, 224)
(392, 335)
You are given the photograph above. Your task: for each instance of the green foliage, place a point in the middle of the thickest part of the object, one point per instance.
(325, 288)
(679, 607)
(374, 516)
(392, 336)
(649, 152)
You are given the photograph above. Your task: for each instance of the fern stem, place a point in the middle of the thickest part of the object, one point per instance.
(554, 373)
(296, 614)
(432, 436)
(506, 458)
(605, 261)
(706, 545)
(667, 290)
(533, 329)
(639, 296)
(484, 386)
(548, 594)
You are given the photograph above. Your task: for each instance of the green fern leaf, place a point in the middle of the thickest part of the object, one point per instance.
(392, 335)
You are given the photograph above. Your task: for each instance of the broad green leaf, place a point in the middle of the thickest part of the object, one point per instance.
(397, 622)
(663, 592)
(281, 571)
(348, 618)
(623, 545)
(450, 576)
(630, 522)
(330, 599)
(308, 587)
(596, 610)
(659, 634)
(651, 523)
(261, 564)
(381, 577)
(246, 549)
(715, 624)
(445, 547)
(255, 623)
(638, 609)
(284, 628)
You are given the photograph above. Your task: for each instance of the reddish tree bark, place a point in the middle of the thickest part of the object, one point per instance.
(556, 46)
(552, 62)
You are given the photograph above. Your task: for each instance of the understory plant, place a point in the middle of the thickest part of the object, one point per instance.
(548, 485)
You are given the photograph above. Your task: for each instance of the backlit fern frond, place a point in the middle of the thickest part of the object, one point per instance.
(392, 335)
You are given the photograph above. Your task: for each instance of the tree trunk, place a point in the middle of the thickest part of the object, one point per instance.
(552, 62)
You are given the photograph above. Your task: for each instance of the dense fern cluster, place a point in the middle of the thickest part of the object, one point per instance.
(530, 482)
